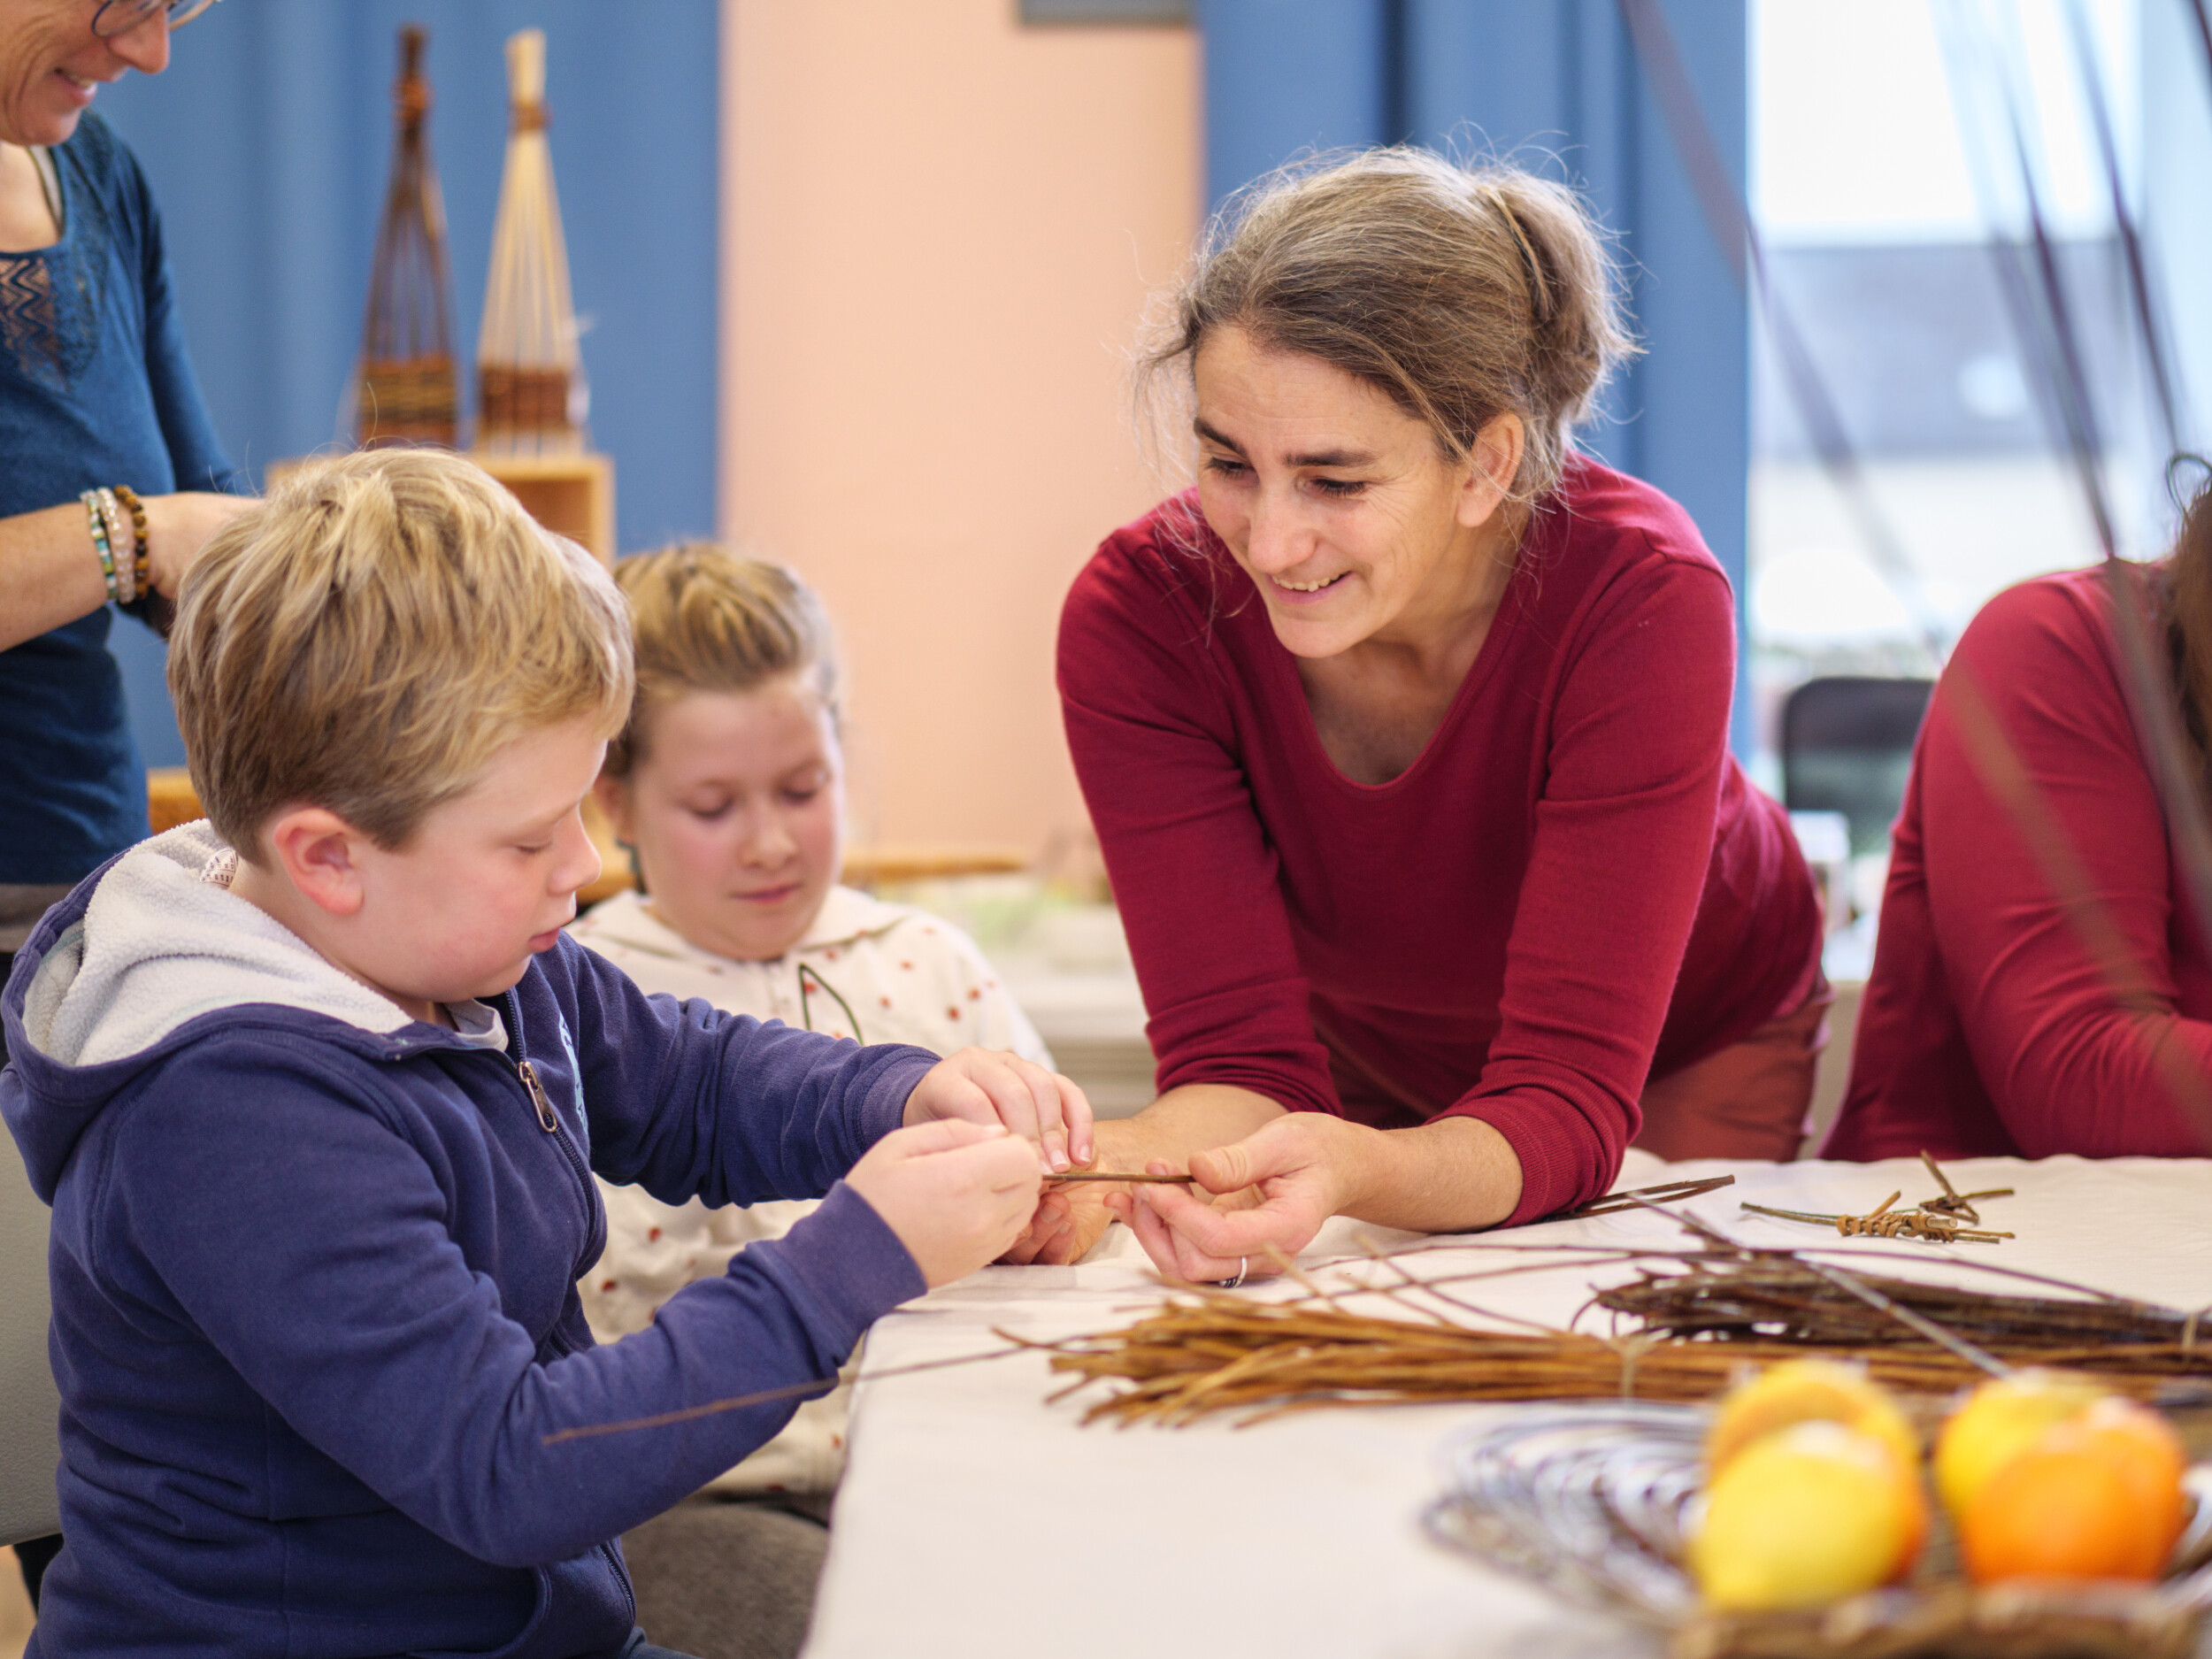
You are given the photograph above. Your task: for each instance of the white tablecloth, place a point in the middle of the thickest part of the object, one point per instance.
(978, 1520)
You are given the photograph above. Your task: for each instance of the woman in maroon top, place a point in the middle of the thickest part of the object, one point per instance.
(1405, 736)
(1988, 1027)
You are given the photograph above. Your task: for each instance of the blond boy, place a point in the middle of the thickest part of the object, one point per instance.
(316, 1088)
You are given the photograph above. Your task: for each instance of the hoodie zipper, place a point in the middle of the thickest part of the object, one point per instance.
(548, 1120)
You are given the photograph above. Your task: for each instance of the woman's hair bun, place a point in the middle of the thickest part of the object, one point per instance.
(1463, 290)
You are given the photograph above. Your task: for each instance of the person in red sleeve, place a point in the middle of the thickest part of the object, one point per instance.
(1406, 739)
(1988, 1027)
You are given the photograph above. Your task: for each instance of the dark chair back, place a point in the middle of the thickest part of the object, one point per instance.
(30, 1448)
(1847, 747)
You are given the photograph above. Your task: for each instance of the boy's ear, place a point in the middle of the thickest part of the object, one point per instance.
(319, 853)
(613, 795)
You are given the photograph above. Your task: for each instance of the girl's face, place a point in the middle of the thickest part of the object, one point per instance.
(1338, 503)
(737, 811)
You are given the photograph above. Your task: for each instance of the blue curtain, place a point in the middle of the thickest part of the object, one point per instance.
(268, 142)
(1557, 82)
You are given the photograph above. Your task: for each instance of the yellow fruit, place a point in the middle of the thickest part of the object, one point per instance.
(1999, 1421)
(1808, 1391)
(1807, 1515)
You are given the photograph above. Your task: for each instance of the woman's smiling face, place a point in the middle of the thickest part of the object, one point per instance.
(51, 62)
(1341, 508)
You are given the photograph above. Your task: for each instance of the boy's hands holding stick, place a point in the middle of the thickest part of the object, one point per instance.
(959, 1183)
(957, 1192)
(990, 1086)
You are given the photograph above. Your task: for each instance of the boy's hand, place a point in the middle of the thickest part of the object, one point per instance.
(956, 1194)
(988, 1085)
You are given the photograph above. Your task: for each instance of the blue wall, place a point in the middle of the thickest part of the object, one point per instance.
(268, 142)
(1559, 81)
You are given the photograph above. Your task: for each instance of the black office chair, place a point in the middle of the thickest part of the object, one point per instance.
(1847, 747)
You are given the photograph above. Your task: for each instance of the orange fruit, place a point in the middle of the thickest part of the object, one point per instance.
(2142, 1449)
(1809, 1391)
(2073, 1506)
(1999, 1421)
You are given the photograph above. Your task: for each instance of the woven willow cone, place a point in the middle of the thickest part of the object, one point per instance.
(404, 391)
(531, 396)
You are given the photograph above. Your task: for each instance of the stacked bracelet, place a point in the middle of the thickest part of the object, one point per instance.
(142, 561)
(119, 544)
(91, 500)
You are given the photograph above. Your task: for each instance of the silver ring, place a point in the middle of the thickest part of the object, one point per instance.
(1243, 1263)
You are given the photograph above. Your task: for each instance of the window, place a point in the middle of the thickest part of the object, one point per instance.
(1878, 245)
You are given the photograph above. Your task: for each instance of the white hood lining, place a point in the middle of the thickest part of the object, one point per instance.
(161, 944)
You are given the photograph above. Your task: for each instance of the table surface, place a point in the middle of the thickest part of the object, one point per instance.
(977, 1519)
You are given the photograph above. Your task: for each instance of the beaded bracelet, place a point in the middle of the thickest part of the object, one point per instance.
(91, 500)
(143, 564)
(118, 528)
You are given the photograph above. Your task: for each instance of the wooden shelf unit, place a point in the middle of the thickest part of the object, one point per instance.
(570, 495)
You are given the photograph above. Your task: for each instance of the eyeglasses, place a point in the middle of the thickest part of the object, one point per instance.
(121, 17)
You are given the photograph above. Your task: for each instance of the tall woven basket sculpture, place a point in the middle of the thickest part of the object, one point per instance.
(530, 394)
(405, 391)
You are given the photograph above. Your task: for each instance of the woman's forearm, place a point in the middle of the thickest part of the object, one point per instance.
(1193, 1118)
(49, 574)
(1453, 1175)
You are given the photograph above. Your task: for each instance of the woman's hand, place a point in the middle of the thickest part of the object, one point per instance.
(1068, 1222)
(954, 1193)
(178, 526)
(990, 1085)
(1272, 1191)
(1072, 1219)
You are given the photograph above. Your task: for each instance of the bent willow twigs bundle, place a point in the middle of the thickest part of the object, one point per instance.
(1694, 1329)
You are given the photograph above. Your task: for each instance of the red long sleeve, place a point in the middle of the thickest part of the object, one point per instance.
(1571, 885)
(1987, 1028)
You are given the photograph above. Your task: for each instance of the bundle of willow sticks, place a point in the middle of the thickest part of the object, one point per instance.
(1691, 1331)
(1776, 1298)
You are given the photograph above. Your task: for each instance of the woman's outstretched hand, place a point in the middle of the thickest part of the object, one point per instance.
(991, 1085)
(1269, 1193)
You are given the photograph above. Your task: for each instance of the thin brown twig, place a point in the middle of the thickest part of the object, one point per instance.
(1411, 1283)
(1066, 1177)
(770, 1397)
(1666, 1192)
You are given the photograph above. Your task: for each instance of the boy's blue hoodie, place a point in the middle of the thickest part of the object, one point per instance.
(313, 1270)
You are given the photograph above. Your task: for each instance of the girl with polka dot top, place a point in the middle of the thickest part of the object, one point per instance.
(727, 787)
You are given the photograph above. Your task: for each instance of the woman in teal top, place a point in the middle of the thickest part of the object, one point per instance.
(95, 391)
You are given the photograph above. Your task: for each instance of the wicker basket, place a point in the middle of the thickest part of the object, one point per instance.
(1594, 1501)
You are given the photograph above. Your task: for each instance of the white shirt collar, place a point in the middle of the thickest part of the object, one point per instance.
(846, 916)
